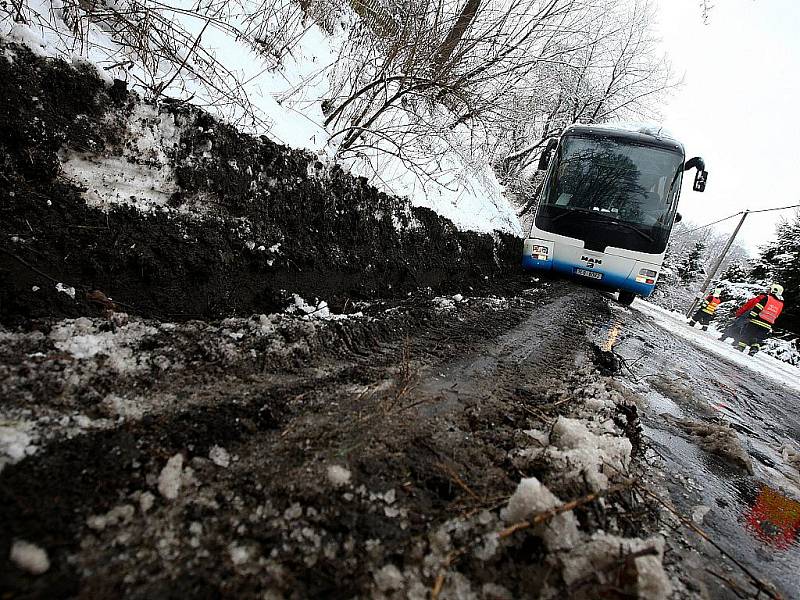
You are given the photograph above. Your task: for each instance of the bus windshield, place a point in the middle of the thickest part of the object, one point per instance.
(633, 186)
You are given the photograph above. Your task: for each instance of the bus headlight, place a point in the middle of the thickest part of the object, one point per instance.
(539, 252)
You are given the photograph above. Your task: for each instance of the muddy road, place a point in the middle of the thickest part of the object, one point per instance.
(725, 427)
(377, 454)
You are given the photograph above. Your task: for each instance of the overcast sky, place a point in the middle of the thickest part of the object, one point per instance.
(738, 107)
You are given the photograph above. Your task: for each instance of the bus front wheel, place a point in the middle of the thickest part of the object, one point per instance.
(626, 298)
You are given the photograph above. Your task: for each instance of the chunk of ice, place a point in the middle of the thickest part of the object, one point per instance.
(169, 481)
(29, 557)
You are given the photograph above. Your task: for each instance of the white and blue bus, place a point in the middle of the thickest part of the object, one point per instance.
(607, 206)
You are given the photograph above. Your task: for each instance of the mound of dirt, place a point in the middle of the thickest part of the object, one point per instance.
(175, 215)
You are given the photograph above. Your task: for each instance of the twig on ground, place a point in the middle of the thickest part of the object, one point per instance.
(34, 269)
(538, 414)
(438, 584)
(508, 531)
(620, 561)
(732, 585)
(460, 482)
(566, 507)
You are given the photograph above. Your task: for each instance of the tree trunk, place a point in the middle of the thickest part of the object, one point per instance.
(456, 34)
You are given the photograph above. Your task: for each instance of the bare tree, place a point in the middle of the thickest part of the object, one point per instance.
(615, 73)
(415, 81)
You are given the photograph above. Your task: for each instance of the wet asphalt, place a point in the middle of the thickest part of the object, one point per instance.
(753, 517)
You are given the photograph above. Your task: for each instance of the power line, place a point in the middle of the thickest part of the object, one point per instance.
(719, 260)
(761, 210)
(778, 208)
(679, 234)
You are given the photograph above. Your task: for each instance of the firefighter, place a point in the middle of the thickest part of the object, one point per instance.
(754, 320)
(707, 311)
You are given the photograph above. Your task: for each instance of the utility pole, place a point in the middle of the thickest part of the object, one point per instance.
(715, 268)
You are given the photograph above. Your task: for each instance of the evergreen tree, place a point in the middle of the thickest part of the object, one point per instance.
(692, 265)
(669, 272)
(779, 262)
(736, 273)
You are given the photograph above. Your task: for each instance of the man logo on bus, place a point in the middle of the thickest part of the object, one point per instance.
(592, 261)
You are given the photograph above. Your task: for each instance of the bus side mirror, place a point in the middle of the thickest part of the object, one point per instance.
(678, 217)
(700, 181)
(544, 157)
(701, 175)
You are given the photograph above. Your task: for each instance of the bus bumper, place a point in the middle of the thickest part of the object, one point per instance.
(540, 255)
(610, 280)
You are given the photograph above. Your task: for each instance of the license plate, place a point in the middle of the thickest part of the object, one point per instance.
(592, 274)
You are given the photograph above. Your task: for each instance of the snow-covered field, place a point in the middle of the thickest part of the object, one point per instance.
(761, 364)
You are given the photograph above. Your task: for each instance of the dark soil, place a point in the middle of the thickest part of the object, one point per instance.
(423, 406)
(340, 238)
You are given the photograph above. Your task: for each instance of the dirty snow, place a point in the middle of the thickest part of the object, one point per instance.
(583, 453)
(15, 443)
(142, 176)
(531, 497)
(338, 475)
(83, 339)
(29, 557)
(146, 501)
(235, 518)
(219, 456)
(603, 555)
(240, 555)
(718, 439)
(65, 289)
(318, 310)
(119, 515)
(169, 480)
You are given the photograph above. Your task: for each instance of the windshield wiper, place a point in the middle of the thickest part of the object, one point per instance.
(590, 215)
(572, 212)
(632, 228)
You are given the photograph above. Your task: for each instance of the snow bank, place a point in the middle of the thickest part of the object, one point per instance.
(469, 195)
(389, 578)
(280, 98)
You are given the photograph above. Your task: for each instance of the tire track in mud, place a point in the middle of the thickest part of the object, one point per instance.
(47, 497)
(424, 422)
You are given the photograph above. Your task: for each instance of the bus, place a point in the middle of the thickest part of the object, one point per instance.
(607, 206)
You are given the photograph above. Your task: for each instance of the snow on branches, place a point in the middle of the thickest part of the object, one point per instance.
(461, 93)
